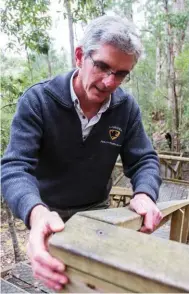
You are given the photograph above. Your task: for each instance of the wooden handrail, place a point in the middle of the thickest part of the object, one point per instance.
(176, 181)
(101, 257)
(178, 158)
(161, 156)
(122, 191)
(126, 218)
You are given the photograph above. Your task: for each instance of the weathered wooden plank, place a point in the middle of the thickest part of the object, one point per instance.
(23, 272)
(119, 164)
(185, 225)
(127, 218)
(176, 181)
(164, 157)
(169, 153)
(177, 222)
(175, 158)
(24, 286)
(7, 287)
(122, 216)
(168, 166)
(171, 206)
(128, 259)
(122, 191)
(80, 282)
(5, 270)
(118, 178)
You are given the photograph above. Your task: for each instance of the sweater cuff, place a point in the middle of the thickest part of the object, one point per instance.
(146, 189)
(26, 204)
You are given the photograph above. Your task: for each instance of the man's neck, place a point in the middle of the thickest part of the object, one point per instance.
(89, 110)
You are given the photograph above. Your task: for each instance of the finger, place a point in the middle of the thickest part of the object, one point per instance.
(46, 260)
(148, 223)
(138, 207)
(158, 218)
(48, 273)
(49, 283)
(143, 229)
(55, 223)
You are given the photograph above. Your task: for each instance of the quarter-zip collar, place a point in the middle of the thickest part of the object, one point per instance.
(59, 89)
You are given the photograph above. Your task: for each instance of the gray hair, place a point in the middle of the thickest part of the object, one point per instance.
(112, 30)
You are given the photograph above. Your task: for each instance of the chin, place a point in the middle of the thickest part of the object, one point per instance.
(98, 99)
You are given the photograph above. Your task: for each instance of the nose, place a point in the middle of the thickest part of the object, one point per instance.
(109, 81)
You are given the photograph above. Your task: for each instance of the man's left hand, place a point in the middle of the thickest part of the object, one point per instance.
(144, 206)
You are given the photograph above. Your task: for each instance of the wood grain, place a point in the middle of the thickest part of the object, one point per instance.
(177, 222)
(123, 257)
(127, 218)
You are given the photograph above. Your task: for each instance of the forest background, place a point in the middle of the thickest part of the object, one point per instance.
(36, 50)
(159, 82)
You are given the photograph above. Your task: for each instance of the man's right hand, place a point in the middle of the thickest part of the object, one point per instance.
(45, 267)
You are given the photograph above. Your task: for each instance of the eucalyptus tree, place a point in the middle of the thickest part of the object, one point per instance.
(165, 26)
(69, 15)
(81, 11)
(26, 24)
(176, 23)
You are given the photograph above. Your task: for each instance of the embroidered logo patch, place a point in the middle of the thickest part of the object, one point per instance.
(114, 134)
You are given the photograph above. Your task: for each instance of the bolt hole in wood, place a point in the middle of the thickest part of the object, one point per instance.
(99, 232)
(91, 286)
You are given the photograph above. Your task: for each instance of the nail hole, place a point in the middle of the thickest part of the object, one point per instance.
(91, 286)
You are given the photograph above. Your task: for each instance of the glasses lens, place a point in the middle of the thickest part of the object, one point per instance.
(104, 70)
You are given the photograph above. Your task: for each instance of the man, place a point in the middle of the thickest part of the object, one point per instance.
(65, 138)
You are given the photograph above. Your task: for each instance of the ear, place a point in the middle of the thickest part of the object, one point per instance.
(78, 56)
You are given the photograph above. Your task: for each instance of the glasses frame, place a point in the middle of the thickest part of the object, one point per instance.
(109, 72)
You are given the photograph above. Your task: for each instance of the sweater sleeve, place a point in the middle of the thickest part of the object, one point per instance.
(19, 184)
(140, 161)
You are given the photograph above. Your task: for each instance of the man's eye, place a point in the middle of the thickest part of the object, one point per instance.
(101, 66)
(122, 74)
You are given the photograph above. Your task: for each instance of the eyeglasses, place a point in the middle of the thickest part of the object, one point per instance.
(104, 70)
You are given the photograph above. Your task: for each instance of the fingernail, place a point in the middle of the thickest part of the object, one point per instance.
(60, 267)
(63, 281)
(58, 287)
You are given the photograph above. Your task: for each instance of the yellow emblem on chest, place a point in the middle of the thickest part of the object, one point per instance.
(114, 134)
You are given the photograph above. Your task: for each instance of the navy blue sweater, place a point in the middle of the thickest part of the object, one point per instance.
(48, 162)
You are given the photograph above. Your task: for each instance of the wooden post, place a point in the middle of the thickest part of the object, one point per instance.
(177, 223)
(185, 225)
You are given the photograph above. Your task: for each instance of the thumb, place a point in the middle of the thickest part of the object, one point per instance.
(55, 222)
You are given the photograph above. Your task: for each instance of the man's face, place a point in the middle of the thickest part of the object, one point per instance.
(96, 80)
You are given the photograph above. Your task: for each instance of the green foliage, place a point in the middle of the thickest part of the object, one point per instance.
(16, 79)
(182, 61)
(26, 23)
(83, 10)
(178, 20)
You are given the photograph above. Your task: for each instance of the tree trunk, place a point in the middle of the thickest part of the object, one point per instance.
(128, 9)
(179, 37)
(17, 253)
(158, 62)
(49, 66)
(71, 32)
(101, 5)
(171, 77)
(29, 65)
(168, 50)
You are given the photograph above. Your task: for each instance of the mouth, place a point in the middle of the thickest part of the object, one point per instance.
(101, 91)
